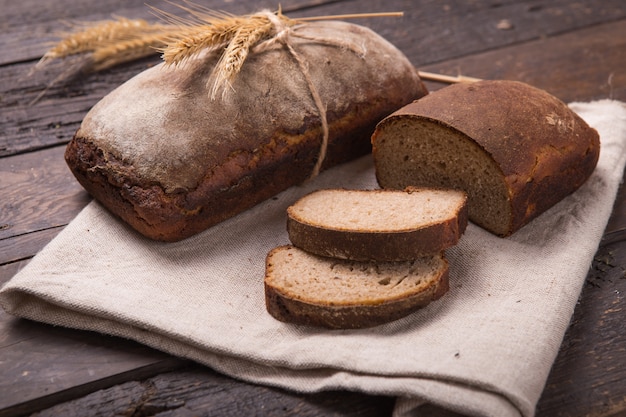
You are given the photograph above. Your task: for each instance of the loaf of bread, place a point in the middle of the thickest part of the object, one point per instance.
(361, 258)
(170, 161)
(515, 149)
(307, 289)
(377, 225)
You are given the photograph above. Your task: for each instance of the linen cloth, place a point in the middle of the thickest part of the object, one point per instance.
(484, 349)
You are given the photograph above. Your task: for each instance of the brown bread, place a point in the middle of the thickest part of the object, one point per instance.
(171, 162)
(307, 289)
(515, 149)
(377, 225)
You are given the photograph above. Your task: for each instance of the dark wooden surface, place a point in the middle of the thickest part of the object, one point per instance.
(576, 50)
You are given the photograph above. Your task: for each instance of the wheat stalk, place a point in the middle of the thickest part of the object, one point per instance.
(109, 43)
(209, 31)
(192, 40)
(256, 28)
(448, 79)
(122, 51)
(108, 38)
(231, 61)
(102, 45)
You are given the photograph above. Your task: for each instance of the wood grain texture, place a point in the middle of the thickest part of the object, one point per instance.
(582, 65)
(616, 228)
(50, 375)
(575, 50)
(51, 190)
(196, 392)
(587, 378)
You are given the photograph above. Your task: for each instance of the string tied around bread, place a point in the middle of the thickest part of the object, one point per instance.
(282, 36)
(102, 45)
(258, 33)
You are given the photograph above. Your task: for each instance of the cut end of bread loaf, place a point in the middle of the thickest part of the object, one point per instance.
(377, 225)
(419, 152)
(515, 149)
(304, 288)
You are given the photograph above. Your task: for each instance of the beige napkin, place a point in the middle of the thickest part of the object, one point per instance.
(485, 348)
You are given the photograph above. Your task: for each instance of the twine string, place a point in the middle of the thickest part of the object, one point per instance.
(282, 36)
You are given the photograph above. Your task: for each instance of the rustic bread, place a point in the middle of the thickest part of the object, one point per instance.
(170, 161)
(377, 225)
(515, 149)
(304, 288)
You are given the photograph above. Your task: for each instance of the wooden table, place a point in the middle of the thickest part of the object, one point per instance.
(574, 50)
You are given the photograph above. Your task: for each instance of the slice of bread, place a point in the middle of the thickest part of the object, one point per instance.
(377, 225)
(515, 149)
(303, 288)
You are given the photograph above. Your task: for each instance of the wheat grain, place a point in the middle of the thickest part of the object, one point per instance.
(205, 30)
(218, 31)
(124, 51)
(237, 35)
(192, 40)
(104, 34)
(247, 35)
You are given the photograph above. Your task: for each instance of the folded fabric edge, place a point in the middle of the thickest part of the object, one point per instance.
(29, 305)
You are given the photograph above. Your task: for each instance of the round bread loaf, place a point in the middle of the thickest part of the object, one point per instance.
(515, 149)
(377, 225)
(303, 288)
(170, 161)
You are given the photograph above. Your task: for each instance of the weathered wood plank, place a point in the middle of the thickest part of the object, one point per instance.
(10, 269)
(616, 228)
(25, 246)
(54, 386)
(203, 392)
(28, 28)
(34, 184)
(583, 65)
(588, 376)
(432, 31)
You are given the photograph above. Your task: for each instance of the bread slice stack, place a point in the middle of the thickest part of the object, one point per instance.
(361, 258)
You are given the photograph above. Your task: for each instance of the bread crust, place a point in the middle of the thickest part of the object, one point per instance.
(290, 309)
(544, 150)
(386, 246)
(164, 157)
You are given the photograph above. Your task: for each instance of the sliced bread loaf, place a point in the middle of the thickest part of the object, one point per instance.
(304, 288)
(515, 149)
(377, 225)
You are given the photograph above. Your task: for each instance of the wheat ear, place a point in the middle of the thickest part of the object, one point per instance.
(103, 34)
(256, 28)
(231, 61)
(192, 40)
(124, 51)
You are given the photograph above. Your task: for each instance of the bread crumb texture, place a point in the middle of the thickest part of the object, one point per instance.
(515, 149)
(376, 210)
(312, 279)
